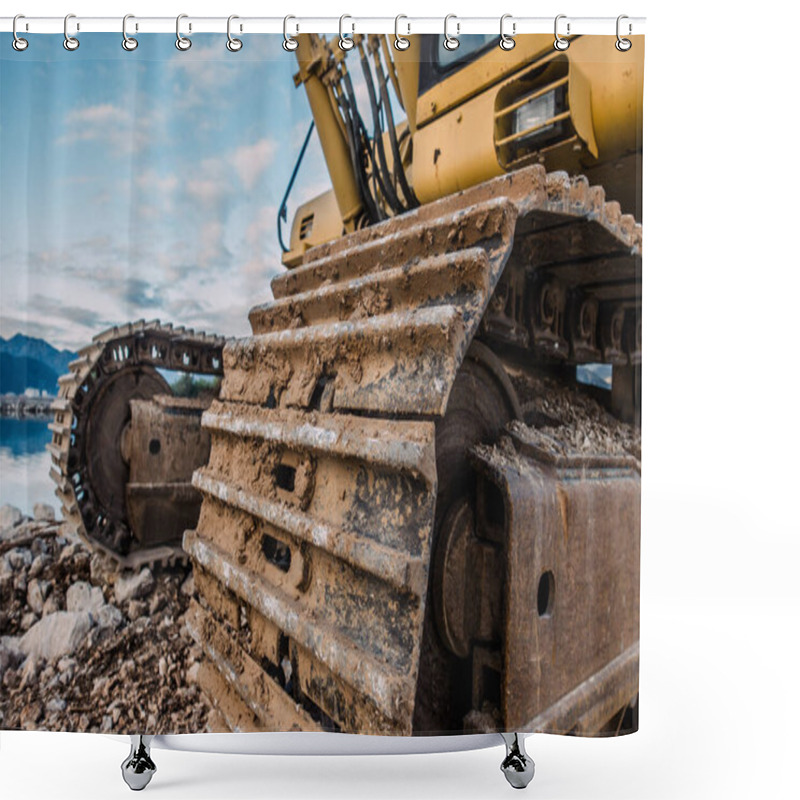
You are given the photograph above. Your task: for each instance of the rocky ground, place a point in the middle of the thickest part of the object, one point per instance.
(85, 648)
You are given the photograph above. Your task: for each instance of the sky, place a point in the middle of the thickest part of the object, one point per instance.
(145, 184)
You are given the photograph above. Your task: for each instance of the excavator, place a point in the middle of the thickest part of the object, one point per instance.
(398, 522)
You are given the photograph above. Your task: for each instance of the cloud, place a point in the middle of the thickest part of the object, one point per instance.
(161, 184)
(250, 161)
(110, 125)
(262, 250)
(102, 114)
(200, 71)
(206, 191)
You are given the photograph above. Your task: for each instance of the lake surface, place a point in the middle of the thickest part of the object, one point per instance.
(25, 464)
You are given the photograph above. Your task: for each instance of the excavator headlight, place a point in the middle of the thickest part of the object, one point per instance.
(537, 119)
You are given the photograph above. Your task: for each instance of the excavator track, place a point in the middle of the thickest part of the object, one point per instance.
(121, 361)
(313, 550)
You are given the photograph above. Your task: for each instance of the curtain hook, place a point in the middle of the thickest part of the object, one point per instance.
(559, 43)
(70, 42)
(507, 42)
(289, 44)
(400, 42)
(623, 45)
(451, 42)
(233, 44)
(128, 42)
(18, 43)
(345, 42)
(181, 42)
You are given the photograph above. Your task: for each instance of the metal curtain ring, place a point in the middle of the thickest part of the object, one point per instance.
(345, 42)
(233, 44)
(70, 42)
(507, 42)
(128, 42)
(288, 43)
(623, 45)
(451, 42)
(559, 43)
(400, 42)
(181, 42)
(18, 43)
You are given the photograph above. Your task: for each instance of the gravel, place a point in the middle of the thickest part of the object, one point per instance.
(84, 648)
(574, 417)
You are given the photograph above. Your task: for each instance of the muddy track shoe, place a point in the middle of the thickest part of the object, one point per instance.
(123, 448)
(326, 495)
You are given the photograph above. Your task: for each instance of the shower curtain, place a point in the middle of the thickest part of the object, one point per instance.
(321, 374)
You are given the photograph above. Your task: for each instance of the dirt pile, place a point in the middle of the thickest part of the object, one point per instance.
(574, 417)
(84, 648)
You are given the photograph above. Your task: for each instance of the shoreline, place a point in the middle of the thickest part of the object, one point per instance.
(18, 406)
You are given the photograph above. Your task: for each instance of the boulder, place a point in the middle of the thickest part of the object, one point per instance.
(10, 654)
(56, 705)
(37, 591)
(38, 565)
(28, 621)
(187, 587)
(51, 604)
(68, 552)
(82, 596)
(42, 512)
(101, 568)
(108, 618)
(10, 516)
(19, 558)
(193, 672)
(133, 585)
(56, 635)
(136, 610)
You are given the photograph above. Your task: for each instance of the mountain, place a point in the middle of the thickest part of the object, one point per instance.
(20, 345)
(30, 363)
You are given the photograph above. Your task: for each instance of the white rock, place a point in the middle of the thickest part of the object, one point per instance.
(6, 571)
(133, 585)
(187, 587)
(30, 672)
(82, 596)
(9, 517)
(28, 621)
(19, 558)
(50, 605)
(108, 617)
(193, 672)
(56, 635)
(10, 654)
(38, 565)
(42, 512)
(55, 705)
(136, 610)
(100, 568)
(68, 552)
(36, 596)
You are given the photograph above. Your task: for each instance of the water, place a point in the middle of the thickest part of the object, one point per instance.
(25, 464)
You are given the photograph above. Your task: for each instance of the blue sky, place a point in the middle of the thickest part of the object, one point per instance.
(144, 184)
